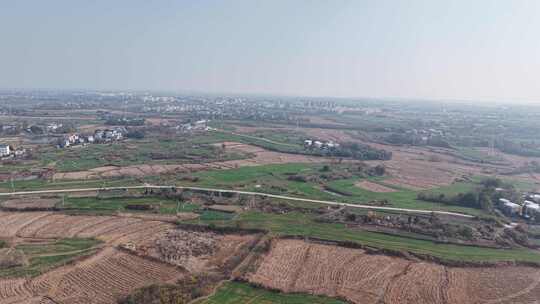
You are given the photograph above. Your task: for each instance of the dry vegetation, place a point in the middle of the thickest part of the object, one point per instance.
(297, 266)
(374, 187)
(102, 278)
(136, 252)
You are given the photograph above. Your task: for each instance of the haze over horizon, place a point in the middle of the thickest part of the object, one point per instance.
(454, 50)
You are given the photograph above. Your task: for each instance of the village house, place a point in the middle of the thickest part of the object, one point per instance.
(5, 150)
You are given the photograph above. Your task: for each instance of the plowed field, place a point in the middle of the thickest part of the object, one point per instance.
(163, 254)
(298, 266)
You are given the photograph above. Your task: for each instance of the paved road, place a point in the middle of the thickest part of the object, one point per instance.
(291, 198)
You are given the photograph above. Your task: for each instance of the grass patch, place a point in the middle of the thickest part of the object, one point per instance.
(304, 225)
(113, 204)
(210, 215)
(235, 292)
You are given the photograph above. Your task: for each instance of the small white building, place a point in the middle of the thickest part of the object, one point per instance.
(5, 150)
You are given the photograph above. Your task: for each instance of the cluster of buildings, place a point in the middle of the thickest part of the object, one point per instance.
(529, 209)
(200, 125)
(7, 151)
(99, 136)
(311, 143)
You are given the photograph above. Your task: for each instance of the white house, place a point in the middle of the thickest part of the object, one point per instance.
(4, 150)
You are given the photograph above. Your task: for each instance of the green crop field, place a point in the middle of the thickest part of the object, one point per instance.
(241, 293)
(273, 179)
(104, 205)
(43, 257)
(133, 152)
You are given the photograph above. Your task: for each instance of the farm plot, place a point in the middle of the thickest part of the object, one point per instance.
(12, 222)
(29, 204)
(112, 229)
(34, 258)
(102, 278)
(261, 157)
(235, 293)
(154, 150)
(134, 252)
(297, 266)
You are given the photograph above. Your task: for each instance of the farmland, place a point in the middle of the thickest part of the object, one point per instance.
(274, 179)
(234, 292)
(296, 224)
(168, 238)
(45, 256)
(149, 151)
(296, 266)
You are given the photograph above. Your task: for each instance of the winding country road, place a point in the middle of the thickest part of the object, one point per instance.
(291, 198)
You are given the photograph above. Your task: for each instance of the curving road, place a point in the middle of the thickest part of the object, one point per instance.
(291, 198)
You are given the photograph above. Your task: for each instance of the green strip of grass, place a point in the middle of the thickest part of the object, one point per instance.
(39, 184)
(305, 225)
(238, 293)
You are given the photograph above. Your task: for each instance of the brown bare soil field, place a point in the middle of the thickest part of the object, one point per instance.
(12, 222)
(102, 278)
(374, 187)
(182, 216)
(298, 266)
(33, 204)
(112, 229)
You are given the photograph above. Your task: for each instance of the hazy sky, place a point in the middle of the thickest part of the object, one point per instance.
(470, 49)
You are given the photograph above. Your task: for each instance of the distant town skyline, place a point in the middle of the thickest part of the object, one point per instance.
(418, 49)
